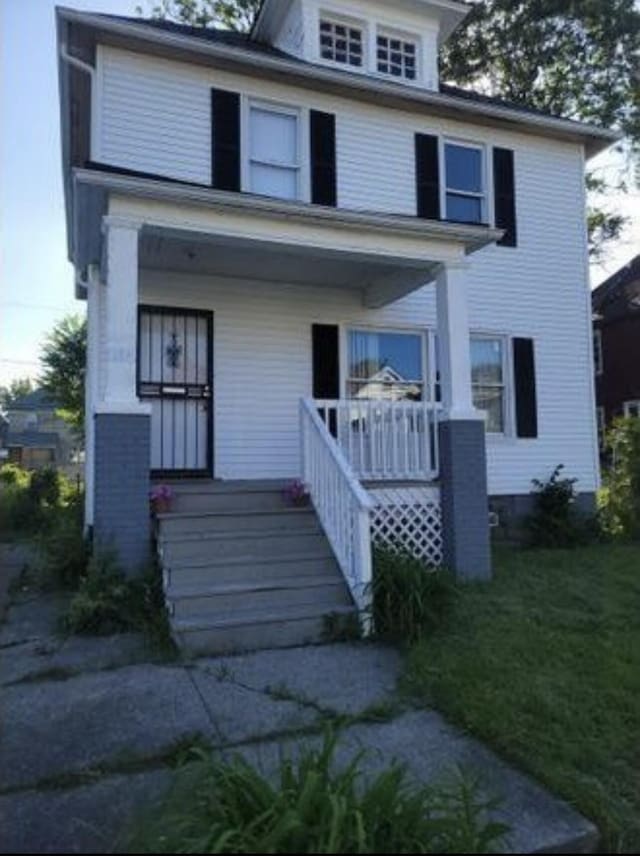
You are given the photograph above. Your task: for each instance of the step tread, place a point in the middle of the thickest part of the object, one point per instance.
(174, 592)
(223, 487)
(246, 534)
(242, 618)
(252, 512)
(237, 561)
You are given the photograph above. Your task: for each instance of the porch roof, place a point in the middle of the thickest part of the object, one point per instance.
(203, 230)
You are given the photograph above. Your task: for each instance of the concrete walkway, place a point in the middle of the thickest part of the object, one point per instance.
(90, 730)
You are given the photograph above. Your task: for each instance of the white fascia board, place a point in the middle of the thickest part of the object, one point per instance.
(312, 76)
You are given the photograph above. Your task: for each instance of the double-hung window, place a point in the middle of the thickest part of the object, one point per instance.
(488, 380)
(274, 151)
(597, 352)
(465, 187)
(396, 56)
(632, 408)
(341, 42)
(386, 365)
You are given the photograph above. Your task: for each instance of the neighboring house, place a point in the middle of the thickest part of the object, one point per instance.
(255, 218)
(36, 435)
(616, 344)
(4, 429)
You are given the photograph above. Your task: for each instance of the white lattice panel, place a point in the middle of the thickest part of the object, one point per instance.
(408, 518)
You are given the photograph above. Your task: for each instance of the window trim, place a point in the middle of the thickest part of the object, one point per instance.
(406, 38)
(326, 13)
(426, 336)
(631, 403)
(507, 384)
(598, 362)
(301, 166)
(487, 179)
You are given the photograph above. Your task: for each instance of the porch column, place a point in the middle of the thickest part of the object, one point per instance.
(463, 466)
(121, 422)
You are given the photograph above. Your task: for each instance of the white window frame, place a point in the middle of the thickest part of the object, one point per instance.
(300, 166)
(486, 205)
(507, 384)
(428, 368)
(328, 15)
(632, 404)
(598, 363)
(406, 38)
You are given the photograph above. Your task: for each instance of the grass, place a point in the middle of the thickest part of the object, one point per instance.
(543, 664)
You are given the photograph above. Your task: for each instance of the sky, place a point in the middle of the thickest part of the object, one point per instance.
(36, 280)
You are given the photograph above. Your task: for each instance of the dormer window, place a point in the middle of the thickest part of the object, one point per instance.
(340, 42)
(396, 57)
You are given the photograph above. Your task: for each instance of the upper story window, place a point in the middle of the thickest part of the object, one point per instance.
(341, 42)
(274, 151)
(597, 352)
(465, 182)
(386, 365)
(396, 56)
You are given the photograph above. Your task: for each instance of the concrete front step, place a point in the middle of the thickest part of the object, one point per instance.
(256, 500)
(205, 523)
(248, 546)
(263, 570)
(322, 593)
(256, 629)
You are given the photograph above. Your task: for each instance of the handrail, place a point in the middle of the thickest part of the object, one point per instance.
(342, 504)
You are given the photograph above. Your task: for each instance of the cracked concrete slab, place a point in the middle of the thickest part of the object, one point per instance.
(54, 728)
(435, 752)
(88, 819)
(33, 617)
(241, 714)
(346, 678)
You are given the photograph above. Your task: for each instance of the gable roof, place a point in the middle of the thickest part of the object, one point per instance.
(38, 399)
(229, 49)
(619, 294)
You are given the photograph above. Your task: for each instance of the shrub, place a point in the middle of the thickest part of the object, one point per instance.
(410, 599)
(619, 500)
(12, 474)
(64, 551)
(30, 502)
(313, 807)
(554, 521)
(44, 486)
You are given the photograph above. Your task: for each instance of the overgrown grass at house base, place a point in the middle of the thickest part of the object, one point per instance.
(312, 805)
(543, 664)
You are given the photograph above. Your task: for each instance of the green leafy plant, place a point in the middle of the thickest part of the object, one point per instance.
(410, 599)
(44, 486)
(619, 500)
(554, 521)
(14, 475)
(31, 502)
(63, 551)
(314, 805)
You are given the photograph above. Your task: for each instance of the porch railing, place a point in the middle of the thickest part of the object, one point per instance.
(385, 440)
(342, 504)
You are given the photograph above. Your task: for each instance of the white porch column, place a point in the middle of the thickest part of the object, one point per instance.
(463, 467)
(121, 428)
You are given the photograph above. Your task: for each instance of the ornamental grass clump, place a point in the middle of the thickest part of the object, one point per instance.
(313, 805)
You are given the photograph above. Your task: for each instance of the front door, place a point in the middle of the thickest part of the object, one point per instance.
(175, 356)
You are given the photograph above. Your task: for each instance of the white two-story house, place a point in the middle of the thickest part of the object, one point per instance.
(304, 257)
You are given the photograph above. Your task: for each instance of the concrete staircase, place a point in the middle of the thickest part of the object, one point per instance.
(243, 570)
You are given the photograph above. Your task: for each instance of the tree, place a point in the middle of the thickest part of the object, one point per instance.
(63, 359)
(16, 389)
(572, 58)
(231, 14)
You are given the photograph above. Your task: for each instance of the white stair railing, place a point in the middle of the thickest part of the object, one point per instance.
(385, 440)
(342, 504)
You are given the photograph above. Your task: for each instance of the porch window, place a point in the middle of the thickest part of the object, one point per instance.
(488, 380)
(274, 163)
(465, 183)
(341, 42)
(386, 365)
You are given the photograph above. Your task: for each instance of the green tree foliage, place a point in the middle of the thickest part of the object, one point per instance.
(573, 58)
(619, 499)
(63, 359)
(231, 14)
(16, 389)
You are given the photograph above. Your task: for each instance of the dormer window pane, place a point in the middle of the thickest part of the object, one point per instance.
(340, 43)
(396, 57)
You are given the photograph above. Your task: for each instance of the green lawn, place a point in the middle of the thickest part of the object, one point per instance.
(543, 664)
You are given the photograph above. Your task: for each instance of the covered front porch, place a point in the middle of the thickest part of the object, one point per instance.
(171, 249)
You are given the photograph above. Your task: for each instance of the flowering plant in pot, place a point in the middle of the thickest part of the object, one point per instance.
(160, 497)
(296, 493)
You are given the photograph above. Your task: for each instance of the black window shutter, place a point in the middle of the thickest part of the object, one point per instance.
(524, 372)
(504, 194)
(427, 177)
(326, 366)
(322, 133)
(225, 140)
